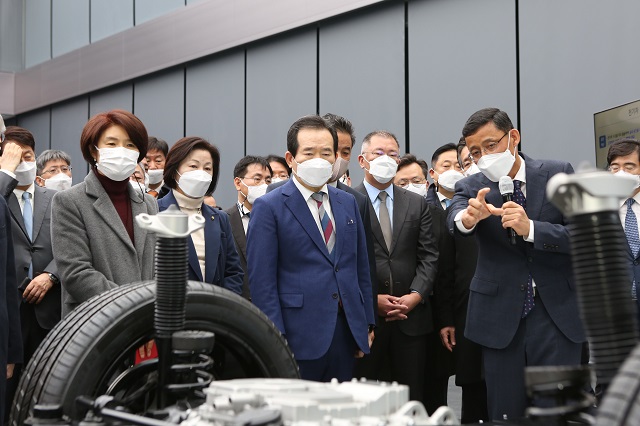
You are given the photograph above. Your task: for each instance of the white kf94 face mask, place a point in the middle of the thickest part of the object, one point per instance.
(195, 183)
(117, 164)
(494, 166)
(314, 172)
(383, 168)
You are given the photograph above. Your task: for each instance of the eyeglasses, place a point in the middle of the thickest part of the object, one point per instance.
(416, 181)
(488, 148)
(257, 180)
(628, 167)
(379, 153)
(56, 170)
(1, 137)
(282, 175)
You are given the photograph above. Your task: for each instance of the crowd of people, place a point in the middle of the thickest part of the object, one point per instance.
(394, 279)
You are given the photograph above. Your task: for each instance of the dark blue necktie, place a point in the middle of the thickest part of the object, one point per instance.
(27, 217)
(631, 231)
(529, 301)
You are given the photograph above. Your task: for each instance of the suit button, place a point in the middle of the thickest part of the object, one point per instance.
(26, 268)
(386, 283)
(33, 249)
(635, 262)
(522, 287)
(337, 269)
(334, 295)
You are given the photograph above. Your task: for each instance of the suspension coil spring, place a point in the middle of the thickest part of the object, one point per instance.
(599, 256)
(171, 292)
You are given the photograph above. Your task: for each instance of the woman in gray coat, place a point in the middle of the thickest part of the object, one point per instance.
(96, 242)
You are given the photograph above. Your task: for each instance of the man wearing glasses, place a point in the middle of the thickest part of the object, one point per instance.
(623, 158)
(522, 303)
(406, 257)
(53, 170)
(252, 175)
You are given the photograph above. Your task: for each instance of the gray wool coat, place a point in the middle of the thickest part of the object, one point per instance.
(91, 246)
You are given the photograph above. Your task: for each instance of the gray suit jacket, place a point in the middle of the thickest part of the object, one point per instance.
(38, 250)
(91, 246)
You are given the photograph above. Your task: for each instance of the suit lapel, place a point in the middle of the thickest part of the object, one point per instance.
(340, 220)
(212, 236)
(138, 206)
(400, 208)
(300, 210)
(375, 223)
(536, 187)
(238, 232)
(40, 204)
(14, 207)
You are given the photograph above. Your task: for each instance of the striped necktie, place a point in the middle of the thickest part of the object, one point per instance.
(529, 301)
(328, 232)
(631, 231)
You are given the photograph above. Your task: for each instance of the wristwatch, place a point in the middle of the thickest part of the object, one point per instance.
(53, 278)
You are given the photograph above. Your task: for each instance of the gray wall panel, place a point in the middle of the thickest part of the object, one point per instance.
(215, 111)
(70, 25)
(120, 97)
(11, 39)
(149, 9)
(109, 17)
(580, 64)
(281, 87)
(67, 121)
(362, 73)
(37, 35)
(39, 123)
(159, 103)
(459, 63)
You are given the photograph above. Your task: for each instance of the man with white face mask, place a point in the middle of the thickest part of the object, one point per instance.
(53, 170)
(624, 159)
(252, 175)
(307, 259)
(154, 166)
(406, 256)
(445, 172)
(412, 175)
(36, 269)
(522, 309)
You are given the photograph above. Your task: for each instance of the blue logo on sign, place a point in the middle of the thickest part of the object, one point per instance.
(603, 141)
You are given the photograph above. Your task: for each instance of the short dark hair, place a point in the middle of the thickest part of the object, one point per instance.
(309, 122)
(156, 144)
(409, 159)
(341, 124)
(179, 152)
(272, 158)
(97, 124)
(240, 170)
(50, 155)
(438, 152)
(479, 118)
(461, 145)
(622, 148)
(20, 135)
(382, 134)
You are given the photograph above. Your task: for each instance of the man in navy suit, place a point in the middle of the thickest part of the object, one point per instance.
(307, 259)
(522, 303)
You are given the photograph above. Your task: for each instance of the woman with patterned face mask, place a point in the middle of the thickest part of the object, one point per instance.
(192, 171)
(97, 244)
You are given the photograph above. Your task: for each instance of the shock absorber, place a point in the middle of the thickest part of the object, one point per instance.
(171, 255)
(591, 201)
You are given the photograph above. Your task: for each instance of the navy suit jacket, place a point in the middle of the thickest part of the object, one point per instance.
(296, 282)
(39, 251)
(222, 263)
(497, 290)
